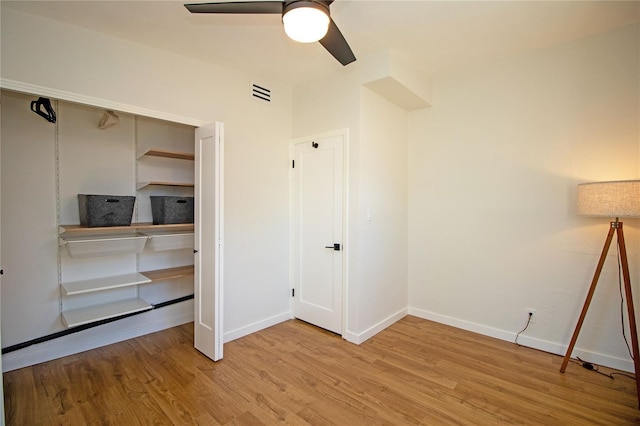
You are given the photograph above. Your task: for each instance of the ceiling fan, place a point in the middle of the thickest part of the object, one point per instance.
(299, 18)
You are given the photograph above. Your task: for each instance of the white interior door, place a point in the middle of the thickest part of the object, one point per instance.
(208, 242)
(318, 253)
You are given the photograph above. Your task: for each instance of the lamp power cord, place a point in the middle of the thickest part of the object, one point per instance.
(624, 335)
(596, 369)
(525, 327)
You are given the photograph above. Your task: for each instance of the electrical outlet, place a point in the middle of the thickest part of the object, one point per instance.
(532, 313)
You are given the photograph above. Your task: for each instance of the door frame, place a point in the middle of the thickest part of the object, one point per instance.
(346, 246)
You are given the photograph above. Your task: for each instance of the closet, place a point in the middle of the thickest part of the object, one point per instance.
(107, 272)
(63, 275)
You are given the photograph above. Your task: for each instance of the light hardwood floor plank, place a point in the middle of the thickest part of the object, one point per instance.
(414, 372)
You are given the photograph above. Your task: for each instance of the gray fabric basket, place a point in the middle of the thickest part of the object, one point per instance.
(105, 210)
(167, 209)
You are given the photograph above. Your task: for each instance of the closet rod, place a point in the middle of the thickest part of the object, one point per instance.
(83, 327)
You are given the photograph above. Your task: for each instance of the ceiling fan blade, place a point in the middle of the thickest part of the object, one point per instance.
(336, 44)
(238, 7)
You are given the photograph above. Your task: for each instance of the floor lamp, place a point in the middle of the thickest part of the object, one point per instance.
(614, 199)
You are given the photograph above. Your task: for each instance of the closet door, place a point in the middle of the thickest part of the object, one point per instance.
(1, 384)
(208, 240)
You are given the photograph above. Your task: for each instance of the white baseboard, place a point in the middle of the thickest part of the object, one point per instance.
(117, 331)
(359, 338)
(182, 313)
(532, 342)
(256, 326)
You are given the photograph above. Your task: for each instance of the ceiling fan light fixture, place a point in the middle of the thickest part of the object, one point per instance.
(305, 22)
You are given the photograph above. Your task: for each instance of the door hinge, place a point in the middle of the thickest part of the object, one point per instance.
(293, 164)
(293, 292)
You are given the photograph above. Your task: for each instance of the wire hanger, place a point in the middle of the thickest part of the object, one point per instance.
(48, 114)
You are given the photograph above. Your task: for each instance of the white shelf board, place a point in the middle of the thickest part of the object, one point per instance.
(141, 185)
(95, 246)
(105, 283)
(169, 273)
(91, 314)
(71, 230)
(169, 240)
(155, 152)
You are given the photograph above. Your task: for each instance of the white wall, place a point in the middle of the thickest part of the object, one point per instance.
(493, 169)
(383, 221)
(101, 69)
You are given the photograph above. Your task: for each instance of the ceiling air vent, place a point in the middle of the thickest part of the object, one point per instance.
(260, 93)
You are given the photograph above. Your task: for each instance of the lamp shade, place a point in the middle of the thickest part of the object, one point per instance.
(609, 199)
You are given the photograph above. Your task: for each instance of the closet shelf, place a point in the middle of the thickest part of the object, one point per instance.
(134, 227)
(142, 185)
(169, 273)
(81, 246)
(169, 240)
(153, 152)
(106, 283)
(125, 280)
(76, 317)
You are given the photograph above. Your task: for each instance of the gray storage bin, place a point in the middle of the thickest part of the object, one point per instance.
(166, 209)
(105, 210)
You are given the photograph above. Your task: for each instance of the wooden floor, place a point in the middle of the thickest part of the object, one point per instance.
(415, 372)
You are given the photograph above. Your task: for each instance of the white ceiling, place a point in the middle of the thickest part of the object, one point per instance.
(436, 36)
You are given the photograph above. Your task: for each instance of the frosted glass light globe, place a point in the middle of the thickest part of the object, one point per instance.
(305, 24)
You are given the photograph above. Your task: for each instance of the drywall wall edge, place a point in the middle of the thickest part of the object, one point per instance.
(359, 338)
(256, 326)
(392, 77)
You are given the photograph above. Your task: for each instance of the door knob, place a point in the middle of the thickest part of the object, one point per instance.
(335, 246)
